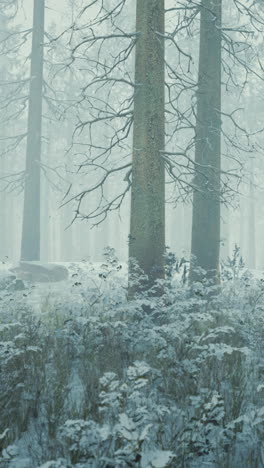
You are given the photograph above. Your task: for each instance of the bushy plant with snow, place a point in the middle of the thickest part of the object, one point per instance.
(92, 380)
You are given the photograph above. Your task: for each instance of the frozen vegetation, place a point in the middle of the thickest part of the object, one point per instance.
(141, 119)
(89, 379)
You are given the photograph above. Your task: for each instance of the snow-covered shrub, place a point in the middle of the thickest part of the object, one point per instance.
(97, 381)
(21, 371)
(233, 267)
(126, 433)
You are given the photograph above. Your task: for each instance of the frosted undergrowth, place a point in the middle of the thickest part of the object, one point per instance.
(90, 380)
(86, 282)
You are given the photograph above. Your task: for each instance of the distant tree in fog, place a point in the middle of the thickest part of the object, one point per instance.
(206, 199)
(13, 84)
(30, 243)
(225, 57)
(23, 129)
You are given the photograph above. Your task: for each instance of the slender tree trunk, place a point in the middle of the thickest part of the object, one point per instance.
(67, 231)
(242, 215)
(30, 246)
(45, 194)
(225, 227)
(206, 198)
(251, 221)
(5, 215)
(147, 218)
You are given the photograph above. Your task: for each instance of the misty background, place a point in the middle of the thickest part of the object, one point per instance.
(64, 238)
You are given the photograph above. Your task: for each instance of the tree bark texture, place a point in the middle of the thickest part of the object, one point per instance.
(252, 221)
(206, 198)
(147, 217)
(30, 245)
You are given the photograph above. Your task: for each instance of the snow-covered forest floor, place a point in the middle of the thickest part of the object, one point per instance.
(91, 380)
(82, 277)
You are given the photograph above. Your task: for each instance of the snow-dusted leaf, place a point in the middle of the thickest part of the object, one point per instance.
(156, 459)
(139, 369)
(260, 387)
(8, 326)
(144, 433)
(60, 463)
(34, 349)
(4, 434)
(126, 422)
(127, 427)
(10, 452)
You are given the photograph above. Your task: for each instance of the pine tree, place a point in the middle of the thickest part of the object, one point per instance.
(30, 245)
(147, 224)
(206, 199)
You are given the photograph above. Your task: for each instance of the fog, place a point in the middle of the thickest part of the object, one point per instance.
(62, 240)
(131, 241)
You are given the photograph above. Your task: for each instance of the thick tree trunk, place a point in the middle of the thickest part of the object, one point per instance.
(30, 245)
(147, 218)
(206, 198)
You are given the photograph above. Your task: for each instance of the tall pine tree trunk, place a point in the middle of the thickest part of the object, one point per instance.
(30, 245)
(5, 216)
(147, 218)
(251, 221)
(206, 198)
(242, 216)
(225, 234)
